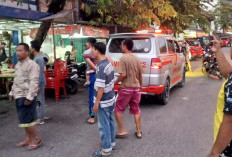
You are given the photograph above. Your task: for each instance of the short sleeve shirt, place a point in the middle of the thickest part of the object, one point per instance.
(224, 104)
(131, 66)
(228, 96)
(105, 79)
(88, 54)
(42, 79)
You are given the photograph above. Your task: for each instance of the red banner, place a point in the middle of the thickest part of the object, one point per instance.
(70, 30)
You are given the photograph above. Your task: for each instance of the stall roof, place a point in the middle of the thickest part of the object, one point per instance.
(16, 24)
(10, 12)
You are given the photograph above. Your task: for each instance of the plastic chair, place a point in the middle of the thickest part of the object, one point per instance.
(56, 78)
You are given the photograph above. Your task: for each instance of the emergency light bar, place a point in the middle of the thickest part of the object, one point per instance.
(156, 31)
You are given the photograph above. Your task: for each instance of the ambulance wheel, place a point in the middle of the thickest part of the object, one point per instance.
(182, 82)
(165, 96)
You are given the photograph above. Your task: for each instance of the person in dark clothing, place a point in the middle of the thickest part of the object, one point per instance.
(3, 57)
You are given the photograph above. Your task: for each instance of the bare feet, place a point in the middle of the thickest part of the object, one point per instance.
(91, 121)
(138, 134)
(23, 143)
(87, 83)
(123, 132)
(35, 144)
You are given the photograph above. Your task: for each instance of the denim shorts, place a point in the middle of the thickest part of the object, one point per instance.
(26, 113)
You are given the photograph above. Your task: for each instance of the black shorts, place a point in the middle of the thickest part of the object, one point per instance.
(228, 151)
(26, 113)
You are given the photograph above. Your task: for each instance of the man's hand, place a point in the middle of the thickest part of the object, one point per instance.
(216, 46)
(95, 108)
(27, 102)
(38, 90)
(11, 98)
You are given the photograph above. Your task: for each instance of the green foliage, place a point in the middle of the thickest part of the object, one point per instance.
(223, 15)
(174, 14)
(189, 13)
(133, 13)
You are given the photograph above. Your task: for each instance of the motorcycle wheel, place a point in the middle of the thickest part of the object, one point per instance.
(71, 88)
(203, 69)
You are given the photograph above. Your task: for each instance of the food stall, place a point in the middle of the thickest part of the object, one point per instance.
(70, 38)
(67, 38)
(6, 79)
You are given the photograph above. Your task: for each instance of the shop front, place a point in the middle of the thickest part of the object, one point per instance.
(70, 38)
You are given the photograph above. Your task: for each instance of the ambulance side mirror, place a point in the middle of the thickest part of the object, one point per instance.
(183, 50)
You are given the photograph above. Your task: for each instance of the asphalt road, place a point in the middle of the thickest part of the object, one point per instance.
(182, 128)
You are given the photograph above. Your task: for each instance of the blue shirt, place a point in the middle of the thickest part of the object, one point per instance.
(105, 79)
(42, 79)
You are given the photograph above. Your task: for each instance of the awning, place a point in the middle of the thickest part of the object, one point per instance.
(10, 12)
(61, 16)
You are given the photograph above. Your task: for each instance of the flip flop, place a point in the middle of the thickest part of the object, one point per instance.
(22, 144)
(121, 136)
(138, 137)
(34, 145)
(86, 85)
(87, 121)
(99, 154)
(114, 148)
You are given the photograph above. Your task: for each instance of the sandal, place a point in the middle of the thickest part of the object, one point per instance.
(23, 143)
(35, 145)
(138, 137)
(124, 136)
(99, 154)
(86, 84)
(87, 121)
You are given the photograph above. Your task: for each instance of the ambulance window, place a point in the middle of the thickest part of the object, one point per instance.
(162, 45)
(177, 48)
(171, 47)
(141, 45)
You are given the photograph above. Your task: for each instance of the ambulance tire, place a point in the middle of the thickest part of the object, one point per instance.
(164, 98)
(182, 82)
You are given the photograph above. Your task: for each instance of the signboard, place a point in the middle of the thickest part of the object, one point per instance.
(43, 6)
(28, 5)
(95, 32)
(190, 34)
(71, 30)
(201, 34)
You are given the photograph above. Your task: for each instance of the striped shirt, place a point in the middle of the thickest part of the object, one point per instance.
(105, 79)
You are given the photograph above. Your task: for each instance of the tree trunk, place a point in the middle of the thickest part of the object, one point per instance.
(54, 7)
(43, 30)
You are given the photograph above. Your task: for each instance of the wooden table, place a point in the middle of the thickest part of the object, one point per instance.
(7, 77)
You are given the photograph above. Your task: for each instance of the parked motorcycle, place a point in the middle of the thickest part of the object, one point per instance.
(210, 65)
(71, 84)
(76, 71)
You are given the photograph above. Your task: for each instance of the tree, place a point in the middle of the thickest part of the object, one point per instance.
(131, 13)
(189, 13)
(223, 15)
(54, 6)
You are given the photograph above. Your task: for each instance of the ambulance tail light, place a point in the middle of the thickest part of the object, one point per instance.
(156, 63)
